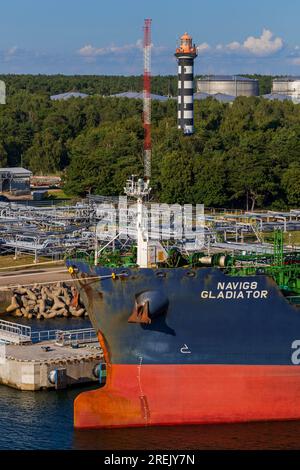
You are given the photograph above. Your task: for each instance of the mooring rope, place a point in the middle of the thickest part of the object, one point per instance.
(36, 284)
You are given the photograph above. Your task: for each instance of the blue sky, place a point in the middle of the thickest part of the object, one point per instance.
(104, 37)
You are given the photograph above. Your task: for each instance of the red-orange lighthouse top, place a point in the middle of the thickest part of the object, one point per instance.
(186, 46)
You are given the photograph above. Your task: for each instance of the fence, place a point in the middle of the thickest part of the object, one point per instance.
(39, 336)
(71, 337)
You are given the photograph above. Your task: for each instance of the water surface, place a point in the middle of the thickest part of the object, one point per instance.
(44, 420)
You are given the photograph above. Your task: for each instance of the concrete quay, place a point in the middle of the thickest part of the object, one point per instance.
(47, 365)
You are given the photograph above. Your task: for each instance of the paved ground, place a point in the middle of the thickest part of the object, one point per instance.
(34, 352)
(33, 275)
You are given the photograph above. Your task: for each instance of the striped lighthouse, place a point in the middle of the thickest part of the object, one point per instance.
(186, 54)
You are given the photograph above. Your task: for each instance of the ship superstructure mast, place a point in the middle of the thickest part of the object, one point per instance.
(140, 189)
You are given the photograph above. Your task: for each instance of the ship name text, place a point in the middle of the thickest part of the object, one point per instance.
(235, 290)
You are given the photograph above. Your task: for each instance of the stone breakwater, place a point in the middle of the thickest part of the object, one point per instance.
(53, 301)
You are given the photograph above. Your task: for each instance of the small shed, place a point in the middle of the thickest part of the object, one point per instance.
(15, 180)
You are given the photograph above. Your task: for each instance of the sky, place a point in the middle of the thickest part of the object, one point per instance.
(105, 37)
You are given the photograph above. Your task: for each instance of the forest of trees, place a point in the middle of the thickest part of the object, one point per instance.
(244, 155)
(103, 85)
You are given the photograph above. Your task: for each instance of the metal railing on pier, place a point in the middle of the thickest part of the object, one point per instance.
(74, 337)
(39, 336)
(16, 333)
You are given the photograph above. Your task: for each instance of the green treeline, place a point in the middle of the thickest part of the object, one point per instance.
(241, 155)
(103, 85)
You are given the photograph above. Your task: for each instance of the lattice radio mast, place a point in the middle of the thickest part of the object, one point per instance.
(147, 98)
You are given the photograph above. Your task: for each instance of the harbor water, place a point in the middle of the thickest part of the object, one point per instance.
(72, 323)
(44, 420)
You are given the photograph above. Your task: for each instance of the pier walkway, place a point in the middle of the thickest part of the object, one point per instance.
(47, 365)
(35, 360)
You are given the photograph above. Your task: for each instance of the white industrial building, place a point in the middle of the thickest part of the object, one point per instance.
(68, 95)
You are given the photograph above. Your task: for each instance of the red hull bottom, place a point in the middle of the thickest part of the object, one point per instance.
(152, 395)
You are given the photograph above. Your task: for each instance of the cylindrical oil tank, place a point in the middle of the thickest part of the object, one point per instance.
(232, 85)
(2, 92)
(289, 86)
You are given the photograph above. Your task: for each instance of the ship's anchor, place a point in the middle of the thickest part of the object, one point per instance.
(140, 314)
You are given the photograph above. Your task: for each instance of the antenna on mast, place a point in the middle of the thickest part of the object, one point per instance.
(140, 188)
(147, 98)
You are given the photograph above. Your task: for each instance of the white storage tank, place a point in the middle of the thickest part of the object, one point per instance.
(232, 85)
(2, 92)
(289, 86)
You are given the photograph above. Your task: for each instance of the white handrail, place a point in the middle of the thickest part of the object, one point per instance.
(15, 328)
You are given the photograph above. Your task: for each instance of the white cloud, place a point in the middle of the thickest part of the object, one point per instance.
(202, 48)
(296, 61)
(265, 45)
(11, 51)
(233, 46)
(89, 51)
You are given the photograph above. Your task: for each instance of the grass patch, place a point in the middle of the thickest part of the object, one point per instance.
(57, 194)
(289, 238)
(8, 261)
